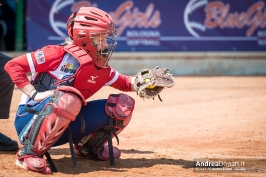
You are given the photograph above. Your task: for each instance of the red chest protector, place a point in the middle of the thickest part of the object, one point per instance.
(87, 79)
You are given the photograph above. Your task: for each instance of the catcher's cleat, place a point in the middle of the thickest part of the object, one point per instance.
(31, 162)
(6, 144)
(22, 164)
(77, 150)
(102, 152)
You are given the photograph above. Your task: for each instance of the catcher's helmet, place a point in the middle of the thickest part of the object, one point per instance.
(87, 23)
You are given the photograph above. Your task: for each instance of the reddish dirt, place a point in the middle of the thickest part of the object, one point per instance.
(200, 117)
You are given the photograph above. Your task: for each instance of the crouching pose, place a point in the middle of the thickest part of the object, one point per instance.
(63, 77)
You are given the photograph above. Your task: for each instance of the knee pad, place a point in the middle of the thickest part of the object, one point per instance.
(120, 108)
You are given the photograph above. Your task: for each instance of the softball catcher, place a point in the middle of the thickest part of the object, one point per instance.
(64, 77)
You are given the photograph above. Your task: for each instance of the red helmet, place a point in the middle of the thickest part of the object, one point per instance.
(88, 22)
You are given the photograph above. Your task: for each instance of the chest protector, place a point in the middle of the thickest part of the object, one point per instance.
(81, 80)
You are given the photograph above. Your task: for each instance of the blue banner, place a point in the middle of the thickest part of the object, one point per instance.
(159, 25)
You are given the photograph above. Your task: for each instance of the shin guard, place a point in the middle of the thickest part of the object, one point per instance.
(49, 125)
(120, 108)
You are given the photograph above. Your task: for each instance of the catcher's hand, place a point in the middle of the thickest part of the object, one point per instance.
(150, 82)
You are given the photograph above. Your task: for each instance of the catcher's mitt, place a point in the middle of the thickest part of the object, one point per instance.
(150, 82)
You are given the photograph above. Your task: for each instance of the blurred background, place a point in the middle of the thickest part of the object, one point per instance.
(191, 37)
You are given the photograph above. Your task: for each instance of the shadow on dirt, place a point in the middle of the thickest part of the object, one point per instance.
(8, 152)
(134, 151)
(84, 165)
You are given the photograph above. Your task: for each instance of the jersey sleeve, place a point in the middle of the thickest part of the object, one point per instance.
(45, 59)
(120, 81)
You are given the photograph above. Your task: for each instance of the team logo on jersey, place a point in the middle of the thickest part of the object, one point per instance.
(68, 68)
(92, 79)
(40, 57)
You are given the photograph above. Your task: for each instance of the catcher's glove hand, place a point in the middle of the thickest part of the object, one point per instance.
(150, 82)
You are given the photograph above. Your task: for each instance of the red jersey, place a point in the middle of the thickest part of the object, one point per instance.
(61, 65)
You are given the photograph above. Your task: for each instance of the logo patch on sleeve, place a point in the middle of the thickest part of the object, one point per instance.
(40, 57)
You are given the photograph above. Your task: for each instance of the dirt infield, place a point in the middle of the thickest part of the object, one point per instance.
(220, 118)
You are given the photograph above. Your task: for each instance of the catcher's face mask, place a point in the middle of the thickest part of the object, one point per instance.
(105, 45)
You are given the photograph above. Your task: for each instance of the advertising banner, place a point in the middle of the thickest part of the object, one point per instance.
(159, 25)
